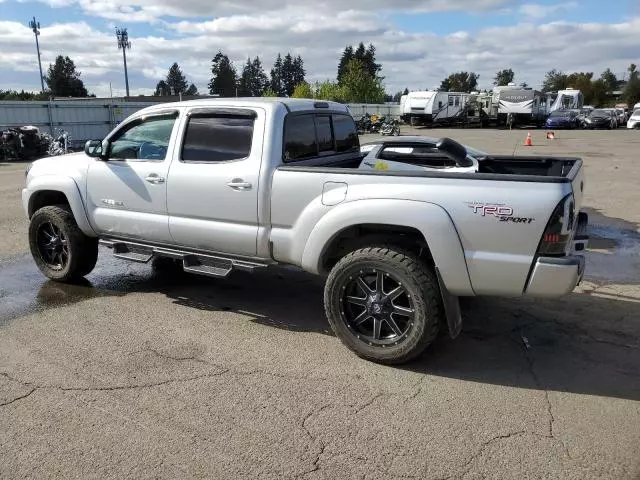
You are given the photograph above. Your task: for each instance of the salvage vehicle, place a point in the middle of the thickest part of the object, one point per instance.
(240, 184)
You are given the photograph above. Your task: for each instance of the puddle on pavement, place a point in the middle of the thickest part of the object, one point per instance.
(24, 290)
(613, 253)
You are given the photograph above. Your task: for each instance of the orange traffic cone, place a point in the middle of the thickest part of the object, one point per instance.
(528, 142)
(551, 135)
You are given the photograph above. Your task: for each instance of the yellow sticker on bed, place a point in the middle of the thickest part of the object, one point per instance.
(380, 165)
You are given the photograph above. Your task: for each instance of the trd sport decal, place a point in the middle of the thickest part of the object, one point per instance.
(498, 210)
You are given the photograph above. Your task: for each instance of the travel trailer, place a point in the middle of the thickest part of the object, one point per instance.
(412, 107)
(526, 106)
(433, 107)
(567, 99)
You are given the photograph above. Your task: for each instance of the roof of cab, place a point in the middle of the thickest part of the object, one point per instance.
(269, 103)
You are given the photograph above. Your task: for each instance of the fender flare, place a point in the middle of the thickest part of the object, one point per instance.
(430, 219)
(66, 186)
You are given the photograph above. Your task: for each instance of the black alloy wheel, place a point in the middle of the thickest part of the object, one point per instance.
(384, 303)
(53, 246)
(377, 307)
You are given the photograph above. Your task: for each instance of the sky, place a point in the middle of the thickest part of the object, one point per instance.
(418, 42)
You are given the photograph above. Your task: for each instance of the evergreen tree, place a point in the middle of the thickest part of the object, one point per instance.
(192, 90)
(253, 81)
(347, 56)
(162, 89)
(276, 84)
(176, 80)
(63, 80)
(224, 80)
(299, 72)
(287, 76)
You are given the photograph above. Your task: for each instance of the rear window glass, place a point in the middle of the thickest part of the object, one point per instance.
(300, 138)
(344, 130)
(325, 136)
(312, 135)
(217, 139)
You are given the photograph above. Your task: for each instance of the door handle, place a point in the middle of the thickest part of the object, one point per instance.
(153, 178)
(239, 184)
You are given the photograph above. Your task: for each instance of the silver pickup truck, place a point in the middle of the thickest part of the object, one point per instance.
(226, 184)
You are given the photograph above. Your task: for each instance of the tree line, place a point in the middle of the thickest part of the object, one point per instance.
(358, 80)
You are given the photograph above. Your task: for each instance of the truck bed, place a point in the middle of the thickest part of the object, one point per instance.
(494, 167)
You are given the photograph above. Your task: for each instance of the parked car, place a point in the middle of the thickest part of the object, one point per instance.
(622, 116)
(569, 118)
(634, 120)
(241, 184)
(601, 118)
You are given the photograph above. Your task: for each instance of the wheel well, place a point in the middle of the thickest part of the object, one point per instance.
(45, 198)
(359, 236)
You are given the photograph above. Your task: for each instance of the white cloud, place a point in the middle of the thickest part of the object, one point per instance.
(414, 60)
(538, 11)
(148, 10)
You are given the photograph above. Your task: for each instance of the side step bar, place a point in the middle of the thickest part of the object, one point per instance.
(201, 263)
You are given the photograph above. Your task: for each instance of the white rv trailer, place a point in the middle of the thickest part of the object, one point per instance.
(526, 106)
(567, 99)
(433, 107)
(412, 108)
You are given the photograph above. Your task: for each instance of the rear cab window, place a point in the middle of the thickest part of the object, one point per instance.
(310, 136)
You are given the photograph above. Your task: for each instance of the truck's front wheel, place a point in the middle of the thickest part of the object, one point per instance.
(384, 304)
(59, 248)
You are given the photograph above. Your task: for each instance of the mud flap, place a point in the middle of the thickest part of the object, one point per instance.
(451, 308)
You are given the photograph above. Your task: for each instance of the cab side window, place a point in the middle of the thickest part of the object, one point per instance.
(213, 138)
(144, 139)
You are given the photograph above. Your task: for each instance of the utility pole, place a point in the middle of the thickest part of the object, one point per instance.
(35, 26)
(124, 44)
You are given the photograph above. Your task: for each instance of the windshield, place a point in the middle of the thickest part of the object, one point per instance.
(636, 113)
(560, 113)
(600, 113)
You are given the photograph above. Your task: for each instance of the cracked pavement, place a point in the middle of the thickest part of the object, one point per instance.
(139, 373)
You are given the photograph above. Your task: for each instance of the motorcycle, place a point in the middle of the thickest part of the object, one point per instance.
(60, 144)
(376, 123)
(364, 124)
(391, 127)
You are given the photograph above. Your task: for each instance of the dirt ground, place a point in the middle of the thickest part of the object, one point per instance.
(138, 373)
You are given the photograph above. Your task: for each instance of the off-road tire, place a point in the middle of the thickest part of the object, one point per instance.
(82, 249)
(420, 283)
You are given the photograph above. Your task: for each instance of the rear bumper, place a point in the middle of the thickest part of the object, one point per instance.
(554, 277)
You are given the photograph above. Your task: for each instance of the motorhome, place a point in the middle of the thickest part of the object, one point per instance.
(526, 106)
(567, 99)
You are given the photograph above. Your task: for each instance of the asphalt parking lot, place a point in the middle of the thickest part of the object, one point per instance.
(141, 373)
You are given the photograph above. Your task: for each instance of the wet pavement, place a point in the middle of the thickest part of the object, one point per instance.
(143, 371)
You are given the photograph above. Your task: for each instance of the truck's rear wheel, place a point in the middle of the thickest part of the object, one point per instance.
(59, 248)
(384, 304)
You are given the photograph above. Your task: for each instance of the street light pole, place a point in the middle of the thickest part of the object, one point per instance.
(124, 43)
(35, 26)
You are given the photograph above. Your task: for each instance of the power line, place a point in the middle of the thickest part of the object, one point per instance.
(124, 44)
(35, 26)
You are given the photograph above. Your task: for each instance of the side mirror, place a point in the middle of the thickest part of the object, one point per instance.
(93, 148)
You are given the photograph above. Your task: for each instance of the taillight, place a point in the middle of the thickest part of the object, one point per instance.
(558, 233)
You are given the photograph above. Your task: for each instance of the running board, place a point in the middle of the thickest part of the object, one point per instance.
(194, 262)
